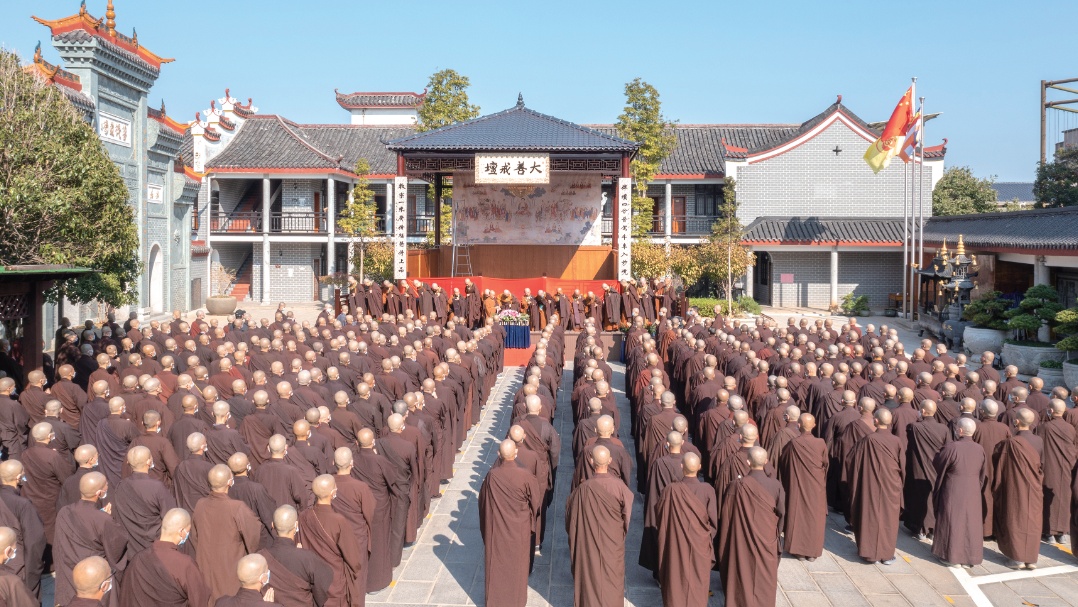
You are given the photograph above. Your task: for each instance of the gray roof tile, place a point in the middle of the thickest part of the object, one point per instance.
(1031, 229)
(271, 142)
(516, 129)
(824, 230)
(385, 100)
(354, 142)
(1007, 191)
(78, 36)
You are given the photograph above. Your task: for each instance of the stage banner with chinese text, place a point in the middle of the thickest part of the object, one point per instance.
(400, 228)
(566, 211)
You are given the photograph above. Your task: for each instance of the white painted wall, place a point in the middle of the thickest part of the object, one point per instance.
(385, 116)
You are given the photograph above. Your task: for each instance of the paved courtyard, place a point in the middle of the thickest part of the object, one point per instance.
(445, 567)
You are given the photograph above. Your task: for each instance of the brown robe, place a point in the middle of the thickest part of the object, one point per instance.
(45, 471)
(299, 577)
(163, 576)
(1018, 495)
(688, 522)
(13, 592)
(82, 531)
(924, 440)
(1060, 454)
(330, 536)
(803, 469)
(139, 504)
(381, 479)
(752, 513)
(990, 434)
(223, 531)
(960, 474)
(597, 521)
(875, 475)
(355, 502)
(508, 503)
(191, 482)
(402, 456)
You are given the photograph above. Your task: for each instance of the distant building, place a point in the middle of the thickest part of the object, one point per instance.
(382, 109)
(1012, 191)
(1070, 139)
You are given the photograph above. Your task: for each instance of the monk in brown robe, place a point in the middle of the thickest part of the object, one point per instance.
(224, 531)
(803, 469)
(45, 471)
(1018, 493)
(688, 522)
(162, 575)
(990, 433)
(924, 439)
(165, 459)
(508, 504)
(1060, 454)
(373, 469)
(876, 468)
(92, 579)
(299, 577)
(752, 514)
(330, 536)
(140, 501)
(597, 521)
(34, 397)
(114, 436)
(960, 474)
(13, 592)
(843, 447)
(19, 514)
(402, 455)
(191, 482)
(82, 530)
(252, 574)
(355, 502)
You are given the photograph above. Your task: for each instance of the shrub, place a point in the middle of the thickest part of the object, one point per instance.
(853, 305)
(1067, 325)
(1038, 308)
(1051, 364)
(988, 311)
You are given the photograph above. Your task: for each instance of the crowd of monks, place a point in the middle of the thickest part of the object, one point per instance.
(747, 435)
(264, 463)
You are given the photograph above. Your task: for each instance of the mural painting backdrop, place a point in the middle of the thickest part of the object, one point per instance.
(567, 211)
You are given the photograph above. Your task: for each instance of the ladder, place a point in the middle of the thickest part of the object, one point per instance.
(462, 252)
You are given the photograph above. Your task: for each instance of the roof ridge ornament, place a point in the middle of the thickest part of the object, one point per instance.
(110, 16)
(520, 100)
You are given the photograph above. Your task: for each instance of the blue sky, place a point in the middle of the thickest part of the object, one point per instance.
(979, 63)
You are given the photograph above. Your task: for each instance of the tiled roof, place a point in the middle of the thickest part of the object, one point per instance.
(1035, 229)
(516, 129)
(80, 36)
(77, 98)
(356, 141)
(379, 100)
(82, 27)
(824, 230)
(1007, 191)
(271, 142)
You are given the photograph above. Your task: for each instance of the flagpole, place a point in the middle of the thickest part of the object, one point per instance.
(921, 192)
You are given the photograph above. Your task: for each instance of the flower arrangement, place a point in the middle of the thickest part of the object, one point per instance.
(512, 317)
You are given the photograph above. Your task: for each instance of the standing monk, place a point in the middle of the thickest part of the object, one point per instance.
(1017, 490)
(374, 470)
(224, 531)
(752, 513)
(990, 433)
(1059, 458)
(688, 521)
(924, 439)
(803, 470)
(162, 575)
(508, 503)
(875, 476)
(45, 471)
(597, 521)
(355, 502)
(960, 474)
(299, 578)
(82, 531)
(330, 536)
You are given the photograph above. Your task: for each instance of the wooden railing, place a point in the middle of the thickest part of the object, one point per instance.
(681, 225)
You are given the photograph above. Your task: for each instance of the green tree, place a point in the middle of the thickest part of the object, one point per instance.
(359, 217)
(642, 121)
(722, 255)
(62, 200)
(959, 192)
(1057, 181)
(446, 101)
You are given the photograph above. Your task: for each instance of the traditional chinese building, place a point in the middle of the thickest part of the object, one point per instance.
(108, 75)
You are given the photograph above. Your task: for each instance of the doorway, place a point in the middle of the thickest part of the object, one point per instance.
(157, 280)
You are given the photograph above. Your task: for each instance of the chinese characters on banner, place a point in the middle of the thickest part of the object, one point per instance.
(155, 193)
(113, 129)
(512, 168)
(625, 228)
(400, 228)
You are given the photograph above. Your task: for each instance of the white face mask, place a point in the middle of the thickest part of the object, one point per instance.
(183, 540)
(14, 551)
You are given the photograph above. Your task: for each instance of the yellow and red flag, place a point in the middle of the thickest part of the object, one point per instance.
(879, 154)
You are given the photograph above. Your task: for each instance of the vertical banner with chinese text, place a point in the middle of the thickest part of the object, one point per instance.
(625, 228)
(400, 228)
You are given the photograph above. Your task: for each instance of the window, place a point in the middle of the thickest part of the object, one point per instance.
(708, 200)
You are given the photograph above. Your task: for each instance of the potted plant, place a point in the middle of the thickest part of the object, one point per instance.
(221, 304)
(1031, 322)
(1067, 325)
(855, 305)
(989, 328)
(1051, 371)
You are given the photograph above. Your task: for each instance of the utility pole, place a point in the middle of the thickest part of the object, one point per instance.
(1066, 105)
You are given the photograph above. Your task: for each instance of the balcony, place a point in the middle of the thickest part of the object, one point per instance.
(303, 222)
(686, 226)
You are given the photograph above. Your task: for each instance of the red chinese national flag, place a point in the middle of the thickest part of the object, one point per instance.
(880, 153)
